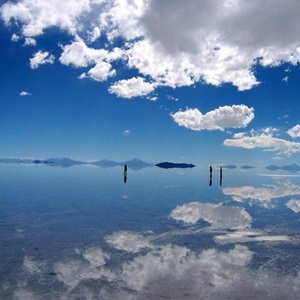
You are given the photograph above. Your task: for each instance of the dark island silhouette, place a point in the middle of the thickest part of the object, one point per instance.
(170, 165)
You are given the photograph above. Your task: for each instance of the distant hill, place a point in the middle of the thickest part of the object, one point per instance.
(294, 168)
(64, 162)
(169, 165)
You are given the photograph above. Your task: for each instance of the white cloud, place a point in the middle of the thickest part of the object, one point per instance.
(263, 195)
(295, 131)
(15, 37)
(101, 71)
(134, 87)
(294, 205)
(270, 143)
(235, 116)
(29, 42)
(126, 132)
(36, 16)
(220, 43)
(217, 215)
(78, 54)
(285, 79)
(41, 58)
(24, 93)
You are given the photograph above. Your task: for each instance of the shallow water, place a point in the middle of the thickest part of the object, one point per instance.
(82, 233)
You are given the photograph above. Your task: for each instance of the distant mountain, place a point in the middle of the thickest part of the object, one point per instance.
(290, 168)
(169, 165)
(64, 162)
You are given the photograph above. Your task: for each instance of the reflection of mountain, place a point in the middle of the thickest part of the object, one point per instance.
(64, 162)
(134, 164)
(59, 162)
(229, 167)
(169, 165)
(247, 167)
(291, 168)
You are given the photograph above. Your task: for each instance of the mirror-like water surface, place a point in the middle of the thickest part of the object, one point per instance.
(82, 233)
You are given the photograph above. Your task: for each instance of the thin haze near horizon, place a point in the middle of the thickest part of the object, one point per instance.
(194, 81)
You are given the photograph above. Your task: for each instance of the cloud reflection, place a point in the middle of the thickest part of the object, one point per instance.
(253, 235)
(294, 205)
(263, 195)
(217, 215)
(162, 271)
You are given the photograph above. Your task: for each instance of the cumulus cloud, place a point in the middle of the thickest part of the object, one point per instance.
(133, 87)
(295, 131)
(41, 58)
(29, 42)
(218, 215)
(15, 37)
(235, 116)
(36, 16)
(199, 41)
(24, 93)
(263, 195)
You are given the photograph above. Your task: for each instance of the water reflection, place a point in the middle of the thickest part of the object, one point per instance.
(211, 176)
(265, 194)
(163, 241)
(125, 173)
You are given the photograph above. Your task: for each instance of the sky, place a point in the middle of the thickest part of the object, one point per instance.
(188, 81)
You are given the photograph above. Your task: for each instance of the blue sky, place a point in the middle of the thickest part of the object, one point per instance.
(194, 81)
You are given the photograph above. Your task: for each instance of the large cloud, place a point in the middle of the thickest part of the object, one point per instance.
(235, 116)
(215, 42)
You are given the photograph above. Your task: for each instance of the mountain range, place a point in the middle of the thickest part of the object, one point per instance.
(64, 162)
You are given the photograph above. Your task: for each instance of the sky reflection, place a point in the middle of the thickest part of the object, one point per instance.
(165, 239)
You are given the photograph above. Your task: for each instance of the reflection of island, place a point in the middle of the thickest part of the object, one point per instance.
(169, 165)
(291, 168)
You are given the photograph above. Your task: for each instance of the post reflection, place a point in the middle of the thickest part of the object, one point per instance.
(210, 176)
(211, 173)
(125, 173)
